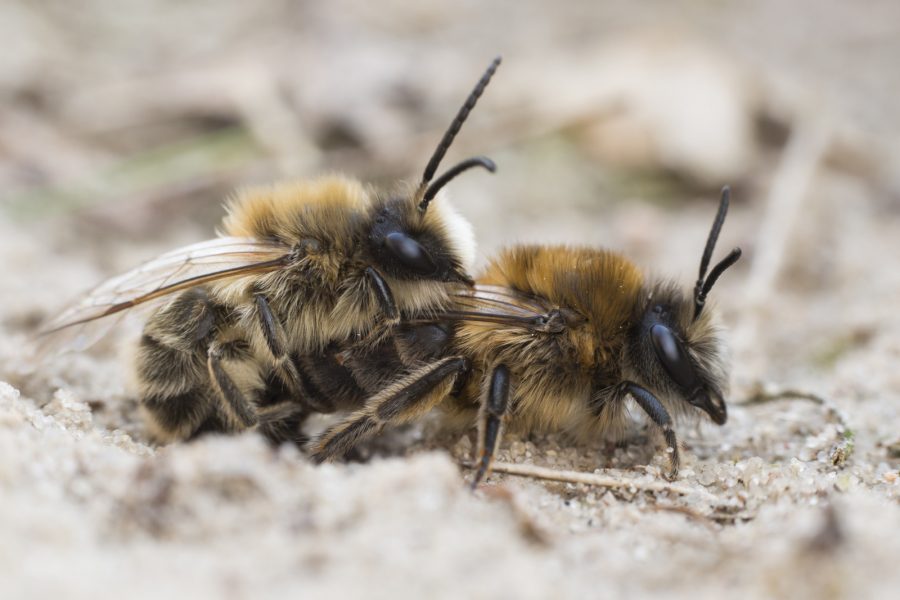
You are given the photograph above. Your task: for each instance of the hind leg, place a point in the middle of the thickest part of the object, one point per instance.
(282, 423)
(279, 423)
(402, 402)
(234, 376)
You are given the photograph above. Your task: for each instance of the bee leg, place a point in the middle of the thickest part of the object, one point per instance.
(401, 402)
(490, 421)
(385, 296)
(276, 342)
(280, 423)
(236, 411)
(459, 384)
(659, 415)
(285, 368)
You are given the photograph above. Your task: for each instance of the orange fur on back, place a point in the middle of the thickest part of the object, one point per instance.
(554, 373)
(599, 284)
(322, 209)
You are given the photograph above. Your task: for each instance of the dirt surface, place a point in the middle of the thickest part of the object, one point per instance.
(122, 131)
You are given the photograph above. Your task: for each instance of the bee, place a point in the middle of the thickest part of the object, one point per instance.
(555, 338)
(297, 267)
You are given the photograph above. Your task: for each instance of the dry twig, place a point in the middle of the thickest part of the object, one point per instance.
(595, 479)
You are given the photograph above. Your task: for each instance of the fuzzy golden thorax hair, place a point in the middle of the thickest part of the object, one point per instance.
(555, 373)
(328, 210)
(595, 287)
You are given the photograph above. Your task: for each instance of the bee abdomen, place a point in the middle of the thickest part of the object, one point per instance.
(186, 323)
(177, 416)
(166, 371)
(171, 366)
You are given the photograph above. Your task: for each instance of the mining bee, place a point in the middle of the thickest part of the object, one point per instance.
(555, 338)
(299, 267)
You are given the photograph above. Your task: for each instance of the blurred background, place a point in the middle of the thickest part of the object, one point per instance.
(125, 125)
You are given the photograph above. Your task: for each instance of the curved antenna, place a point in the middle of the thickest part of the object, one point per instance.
(449, 174)
(451, 132)
(714, 234)
(704, 283)
(714, 275)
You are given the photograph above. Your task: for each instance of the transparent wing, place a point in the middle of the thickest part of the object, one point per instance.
(503, 306)
(90, 318)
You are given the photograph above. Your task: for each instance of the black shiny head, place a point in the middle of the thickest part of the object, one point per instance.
(678, 358)
(410, 253)
(409, 247)
(427, 192)
(676, 363)
(674, 350)
(673, 357)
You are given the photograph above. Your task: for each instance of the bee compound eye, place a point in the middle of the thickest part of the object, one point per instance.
(409, 252)
(673, 356)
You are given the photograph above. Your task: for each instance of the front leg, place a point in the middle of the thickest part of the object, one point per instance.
(494, 410)
(659, 415)
(384, 295)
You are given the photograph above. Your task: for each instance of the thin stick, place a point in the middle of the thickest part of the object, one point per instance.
(536, 472)
(787, 195)
(690, 513)
(788, 192)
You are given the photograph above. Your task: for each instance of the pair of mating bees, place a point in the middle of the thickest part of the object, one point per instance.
(324, 296)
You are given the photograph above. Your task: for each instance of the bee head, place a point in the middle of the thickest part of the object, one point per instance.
(676, 344)
(408, 240)
(410, 245)
(681, 358)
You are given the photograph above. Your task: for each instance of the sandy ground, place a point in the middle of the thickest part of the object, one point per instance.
(611, 126)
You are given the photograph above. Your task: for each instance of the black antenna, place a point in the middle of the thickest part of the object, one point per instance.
(447, 140)
(705, 284)
(434, 188)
